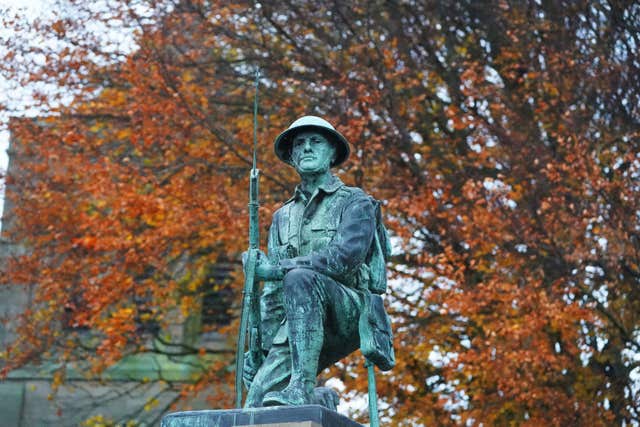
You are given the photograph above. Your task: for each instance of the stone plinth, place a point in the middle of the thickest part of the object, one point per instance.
(276, 416)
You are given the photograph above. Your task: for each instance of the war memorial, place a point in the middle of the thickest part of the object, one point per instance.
(320, 301)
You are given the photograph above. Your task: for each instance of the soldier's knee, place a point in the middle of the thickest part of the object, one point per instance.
(297, 277)
(299, 281)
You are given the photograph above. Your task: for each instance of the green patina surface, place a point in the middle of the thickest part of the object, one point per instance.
(324, 259)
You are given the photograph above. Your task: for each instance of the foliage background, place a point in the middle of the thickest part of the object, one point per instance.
(501, 136)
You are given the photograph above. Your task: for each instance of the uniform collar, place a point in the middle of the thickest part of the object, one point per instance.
(331, 186)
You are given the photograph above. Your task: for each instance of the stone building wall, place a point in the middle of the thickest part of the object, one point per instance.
(138, 387)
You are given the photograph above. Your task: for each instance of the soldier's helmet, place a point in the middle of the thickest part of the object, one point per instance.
(284, 141)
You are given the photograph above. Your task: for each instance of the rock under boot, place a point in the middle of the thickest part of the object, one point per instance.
(327, 397)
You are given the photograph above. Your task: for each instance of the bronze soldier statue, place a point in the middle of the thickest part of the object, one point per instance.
(318, 272)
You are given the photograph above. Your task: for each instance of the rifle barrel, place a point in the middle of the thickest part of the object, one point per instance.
(250, 312)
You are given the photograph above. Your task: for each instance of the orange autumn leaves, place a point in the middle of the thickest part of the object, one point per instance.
(501, 138)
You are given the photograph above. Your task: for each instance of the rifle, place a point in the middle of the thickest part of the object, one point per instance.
(250, 314)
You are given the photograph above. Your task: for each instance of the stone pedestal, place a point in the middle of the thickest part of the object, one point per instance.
(276, 416)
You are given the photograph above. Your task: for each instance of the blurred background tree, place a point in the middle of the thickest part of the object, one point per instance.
(501, 136)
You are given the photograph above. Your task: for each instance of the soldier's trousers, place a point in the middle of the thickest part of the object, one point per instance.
(309, 296)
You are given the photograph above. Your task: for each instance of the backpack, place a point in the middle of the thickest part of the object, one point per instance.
(376, 336)
(378, 254)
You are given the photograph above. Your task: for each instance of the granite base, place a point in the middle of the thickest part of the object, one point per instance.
(275, 416)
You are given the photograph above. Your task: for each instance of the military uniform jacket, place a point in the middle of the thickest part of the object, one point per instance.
(330, 232)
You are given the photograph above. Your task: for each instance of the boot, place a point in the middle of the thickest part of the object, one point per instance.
(295, 394)
(305, 342)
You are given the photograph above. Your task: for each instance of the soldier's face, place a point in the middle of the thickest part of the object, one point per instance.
(312, 153)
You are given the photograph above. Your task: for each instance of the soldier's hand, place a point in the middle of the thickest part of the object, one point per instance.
(259, 255)
(265, 269)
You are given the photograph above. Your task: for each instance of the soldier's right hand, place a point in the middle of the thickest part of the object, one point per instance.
(265, 269)
(259, 256)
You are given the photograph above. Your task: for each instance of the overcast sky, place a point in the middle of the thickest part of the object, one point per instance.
(30, 9)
